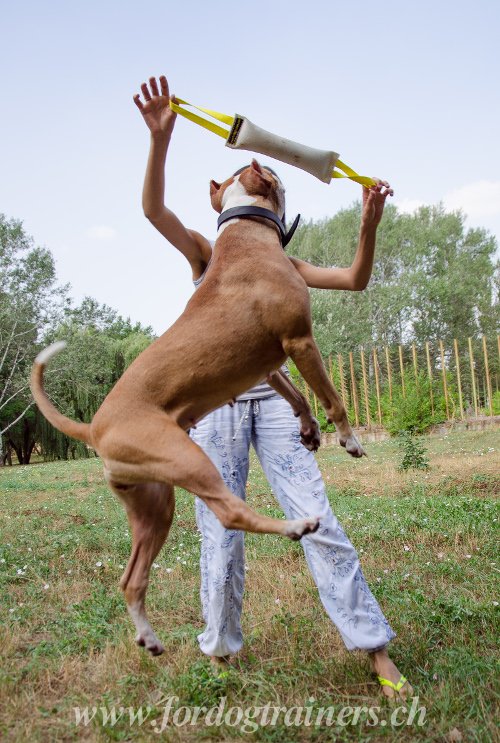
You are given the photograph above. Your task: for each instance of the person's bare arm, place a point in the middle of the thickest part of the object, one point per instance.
(357, 276)
(160, 119)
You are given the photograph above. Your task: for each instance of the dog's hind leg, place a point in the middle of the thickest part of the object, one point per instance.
(307, 358)
(150, 509)
(168, 455)
(191, 469)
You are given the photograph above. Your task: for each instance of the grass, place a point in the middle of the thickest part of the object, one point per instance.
(427, 541)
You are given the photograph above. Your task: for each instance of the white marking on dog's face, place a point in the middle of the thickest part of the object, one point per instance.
(235, 195)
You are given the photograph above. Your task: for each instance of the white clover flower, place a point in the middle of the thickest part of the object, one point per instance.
(98, 564)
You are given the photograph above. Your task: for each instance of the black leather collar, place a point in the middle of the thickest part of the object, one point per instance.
(259, 211)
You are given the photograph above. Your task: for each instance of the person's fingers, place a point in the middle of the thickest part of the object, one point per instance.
(153, 85)
(164, 86)
(145, 92)
(138, 102)
(387, 192)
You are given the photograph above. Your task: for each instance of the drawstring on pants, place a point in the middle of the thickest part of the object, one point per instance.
(254, 404)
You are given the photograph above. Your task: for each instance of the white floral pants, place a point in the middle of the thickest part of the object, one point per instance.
(292, 472)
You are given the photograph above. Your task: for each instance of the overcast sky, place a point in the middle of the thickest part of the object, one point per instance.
(405, 91)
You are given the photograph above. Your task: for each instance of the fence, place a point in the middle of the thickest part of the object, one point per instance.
(457, 381)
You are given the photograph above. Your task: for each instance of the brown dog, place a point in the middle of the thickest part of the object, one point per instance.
(251, 312)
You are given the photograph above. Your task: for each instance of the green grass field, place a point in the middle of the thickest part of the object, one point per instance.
(428, 545)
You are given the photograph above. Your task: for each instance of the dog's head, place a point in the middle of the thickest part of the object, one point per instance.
(253, 181)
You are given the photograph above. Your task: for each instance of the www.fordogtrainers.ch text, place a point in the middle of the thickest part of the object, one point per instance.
(251, 718)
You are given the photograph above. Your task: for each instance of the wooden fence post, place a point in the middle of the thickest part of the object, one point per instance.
(473, 377)
(377, 385)
(354, 391)
(429, 374)
(365, 389)
(459, 380)
(415, 368)
(342, 379)
(488, 380)
(445, 386)
(402, 370)
(330, 369)
(389, 371)
(308, 396)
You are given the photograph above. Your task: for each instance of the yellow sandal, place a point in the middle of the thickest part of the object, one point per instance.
(396, 687)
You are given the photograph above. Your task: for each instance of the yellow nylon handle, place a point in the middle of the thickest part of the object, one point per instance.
(219, 130)
(364, 180)
(347, 172)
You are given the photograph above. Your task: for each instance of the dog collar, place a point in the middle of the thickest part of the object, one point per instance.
(258, 211)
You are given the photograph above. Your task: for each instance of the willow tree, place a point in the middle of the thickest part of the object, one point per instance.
(30, 302)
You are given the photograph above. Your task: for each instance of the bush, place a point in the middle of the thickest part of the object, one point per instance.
(414, 452)
(413, 412)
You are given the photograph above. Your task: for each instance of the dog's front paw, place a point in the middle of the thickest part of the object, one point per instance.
(310, 434)
(352, 446)
(298, 528)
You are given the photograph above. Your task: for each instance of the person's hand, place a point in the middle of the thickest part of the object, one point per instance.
(374, 202)
(156, 110)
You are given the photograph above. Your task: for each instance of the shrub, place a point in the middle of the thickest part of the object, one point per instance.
(413, 411)
(414, 452)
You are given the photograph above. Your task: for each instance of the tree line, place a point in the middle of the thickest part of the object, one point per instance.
(35, 310)
(433, 280)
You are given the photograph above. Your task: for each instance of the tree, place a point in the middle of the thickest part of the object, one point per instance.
(100, 346)
(30, 301)
(432, 280)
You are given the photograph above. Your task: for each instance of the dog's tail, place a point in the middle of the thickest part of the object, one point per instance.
(71, 428)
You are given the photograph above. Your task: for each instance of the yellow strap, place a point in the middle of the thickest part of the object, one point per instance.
(397, 687)
(347, 172)
(224, 118)
(352, 175)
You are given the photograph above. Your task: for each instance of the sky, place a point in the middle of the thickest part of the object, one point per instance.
(404, 91)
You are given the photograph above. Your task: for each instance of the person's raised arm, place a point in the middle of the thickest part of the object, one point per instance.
(160, 120)
(357, 276)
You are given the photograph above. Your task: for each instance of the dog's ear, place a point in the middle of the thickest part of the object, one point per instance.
(255, 165)
(215, 195)
(256, 180)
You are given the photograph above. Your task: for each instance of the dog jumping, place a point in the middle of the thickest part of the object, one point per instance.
(250, 314)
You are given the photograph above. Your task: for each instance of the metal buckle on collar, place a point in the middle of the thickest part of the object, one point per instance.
(258, 211)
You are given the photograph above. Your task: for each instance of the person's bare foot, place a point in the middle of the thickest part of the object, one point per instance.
(220, 664)
(384, 667)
